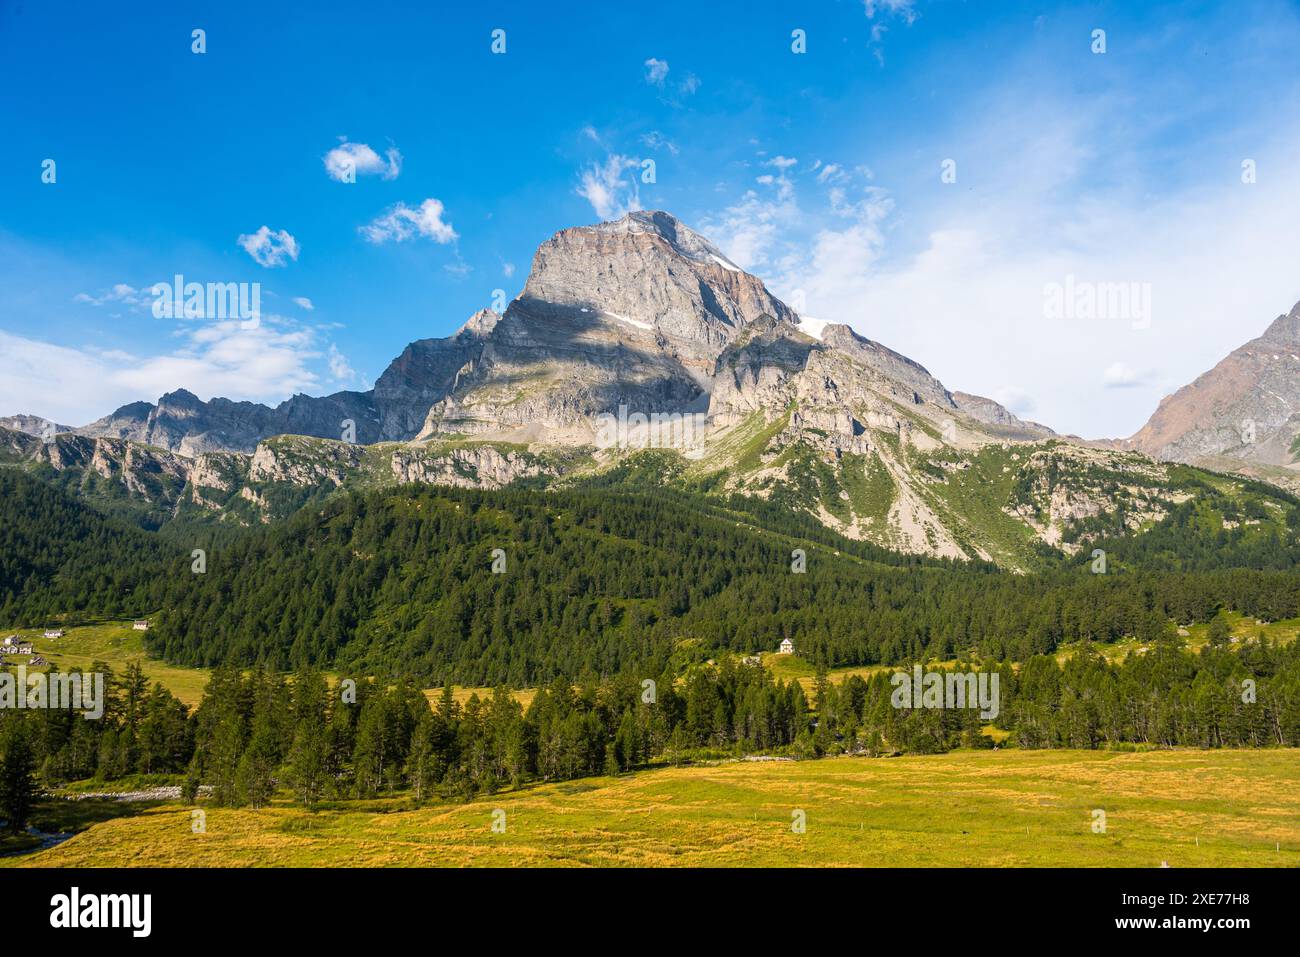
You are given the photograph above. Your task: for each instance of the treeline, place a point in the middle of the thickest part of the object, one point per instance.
(257, 731)
(598, 581)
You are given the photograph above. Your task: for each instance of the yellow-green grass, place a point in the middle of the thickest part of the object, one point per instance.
(524, 695)
(118, 645)
(967, 808)
(1239, 626)
(786, 667)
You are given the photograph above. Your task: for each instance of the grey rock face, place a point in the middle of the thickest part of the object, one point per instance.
(426, 372)
(182, 422)
(32, 425)
(630, 313)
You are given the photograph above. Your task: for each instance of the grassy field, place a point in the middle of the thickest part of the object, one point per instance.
(966, 808)
(116, 644)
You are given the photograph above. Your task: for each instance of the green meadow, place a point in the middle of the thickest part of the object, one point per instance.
(116, 644)
(965, 808)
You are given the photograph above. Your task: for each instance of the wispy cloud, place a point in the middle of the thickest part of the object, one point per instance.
(905, 9)
(400, 223)
(657, 141)
(269, 248)
(604, 186)
(118, 293)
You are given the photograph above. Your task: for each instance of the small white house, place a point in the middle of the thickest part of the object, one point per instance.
(787, 646)
(54, 633)
(141, 625)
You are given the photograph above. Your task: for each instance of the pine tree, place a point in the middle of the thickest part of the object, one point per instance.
(17, 783)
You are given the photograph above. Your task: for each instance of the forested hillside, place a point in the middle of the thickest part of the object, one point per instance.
(58, 555)
(602, 581)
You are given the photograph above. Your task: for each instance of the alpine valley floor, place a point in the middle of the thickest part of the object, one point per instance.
(1004, 808)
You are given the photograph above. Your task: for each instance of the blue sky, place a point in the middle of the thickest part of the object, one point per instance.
(820, 172)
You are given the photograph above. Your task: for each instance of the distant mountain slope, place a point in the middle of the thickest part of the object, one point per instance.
(181, 422)
(1244, 414)
(999, 418)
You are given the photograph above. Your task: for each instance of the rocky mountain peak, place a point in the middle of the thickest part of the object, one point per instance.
(646, 271)
(1285, 329)
(1243, 414)
(685, 241)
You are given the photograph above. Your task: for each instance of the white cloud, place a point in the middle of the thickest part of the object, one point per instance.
(507, 269)
(689, 85)
(603, 185)
(350, 160)
(302, 302)
(964, 294)
(747, 231)
(401, 222)
(78, 385)
(340, 368)
(269, 248)
(656, 71)
(830, 173)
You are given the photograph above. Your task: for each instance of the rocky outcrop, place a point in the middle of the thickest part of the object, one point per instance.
(425, 373)
(482, 466)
